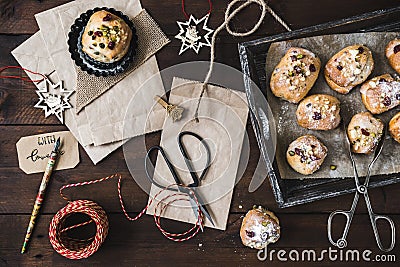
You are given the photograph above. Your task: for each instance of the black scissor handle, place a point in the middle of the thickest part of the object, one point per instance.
(193, 173)
(169, 164)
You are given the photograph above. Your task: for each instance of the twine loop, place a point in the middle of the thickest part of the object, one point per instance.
(186, 14)
(230, 13)
(79, 249)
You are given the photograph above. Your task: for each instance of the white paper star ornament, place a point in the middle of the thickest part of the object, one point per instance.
(189, 34)
(53, 99)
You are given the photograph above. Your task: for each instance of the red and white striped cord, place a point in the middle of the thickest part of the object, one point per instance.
(79, 249)
(74, 248)
(26, 79)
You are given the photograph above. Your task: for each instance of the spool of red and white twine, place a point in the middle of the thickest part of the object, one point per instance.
(80, 249)
(73, 248)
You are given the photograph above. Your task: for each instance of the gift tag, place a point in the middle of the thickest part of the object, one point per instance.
(173, 111)
(34, 151)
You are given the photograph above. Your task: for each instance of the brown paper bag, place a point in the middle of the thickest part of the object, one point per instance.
(223, 115)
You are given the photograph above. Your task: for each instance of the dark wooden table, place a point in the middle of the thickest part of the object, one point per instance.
(140, 242)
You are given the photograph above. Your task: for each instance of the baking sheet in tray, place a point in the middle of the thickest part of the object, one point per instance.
(285, 113)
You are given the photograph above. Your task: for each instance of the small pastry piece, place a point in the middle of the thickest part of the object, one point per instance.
(260, 227)
(351, 66)
(364, 132)
(394, 127)
(306, 154)
(106, 37)
(295, 74)
(319, 112)
(393, 54)
(380, 94)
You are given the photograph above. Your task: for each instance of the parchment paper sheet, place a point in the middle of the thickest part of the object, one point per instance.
(223, 115)
(285, 113)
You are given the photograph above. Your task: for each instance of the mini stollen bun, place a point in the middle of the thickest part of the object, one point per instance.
(348, 68)
(380, 94)
(393, 54)
(319, 112)
(260, 227)
(306, 154)
(394, 127)
(106, 37)
(295, 74)
(364, 132)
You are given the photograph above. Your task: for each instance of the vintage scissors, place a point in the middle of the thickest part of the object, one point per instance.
(196, 179)
(362, 189)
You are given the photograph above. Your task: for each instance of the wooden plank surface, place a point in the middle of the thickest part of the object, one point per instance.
(140, 243)
(18, 16)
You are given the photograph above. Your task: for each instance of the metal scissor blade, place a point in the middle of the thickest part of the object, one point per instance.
(203, 208)
(195, 211)
(207, 214)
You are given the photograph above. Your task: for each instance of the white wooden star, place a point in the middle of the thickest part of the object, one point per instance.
(189, 35)
(53, 99)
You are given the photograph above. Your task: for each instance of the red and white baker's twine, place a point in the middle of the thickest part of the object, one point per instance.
(79, 249)
(26, 79)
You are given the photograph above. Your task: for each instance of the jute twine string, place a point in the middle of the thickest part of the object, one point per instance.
(80, 249)
(229, 14)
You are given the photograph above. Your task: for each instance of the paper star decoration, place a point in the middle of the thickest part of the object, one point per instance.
(189, 35)
(53, 99)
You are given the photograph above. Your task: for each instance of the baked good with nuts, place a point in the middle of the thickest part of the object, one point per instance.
(380, 94)
(260, 227)
(393, 54)
(106, 37)
(295, 74)
(394, 127)
(348, 68)
(364, 132)
(319, 112)
(306, 154)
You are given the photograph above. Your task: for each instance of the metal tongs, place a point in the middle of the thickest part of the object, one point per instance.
(363, 190)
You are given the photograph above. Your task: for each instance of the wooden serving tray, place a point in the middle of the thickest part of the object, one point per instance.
(252, 56)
